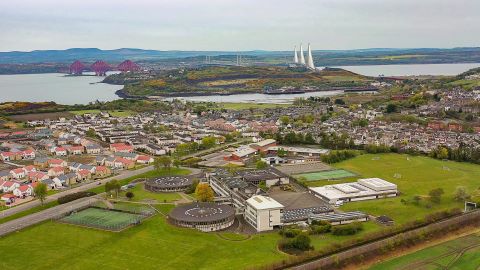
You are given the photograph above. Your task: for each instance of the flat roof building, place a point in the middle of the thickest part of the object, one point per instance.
(263, 213)
(363, 189)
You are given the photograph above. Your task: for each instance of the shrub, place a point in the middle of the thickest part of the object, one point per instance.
(290, 232)
(75, 196)
(300, 242)
(349, 229)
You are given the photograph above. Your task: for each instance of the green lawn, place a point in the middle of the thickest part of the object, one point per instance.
(446, 255)
(419, 175)
(114, 113)
(144, 195)
(154, 244)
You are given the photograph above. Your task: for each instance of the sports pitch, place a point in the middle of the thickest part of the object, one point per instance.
(103, 219)
(462, 253)
(324, 175)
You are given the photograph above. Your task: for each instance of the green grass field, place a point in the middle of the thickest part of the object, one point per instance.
(102, 219)
(419, 175)
(462, 254)
(144, 195)
(324, 175)
(154, 243)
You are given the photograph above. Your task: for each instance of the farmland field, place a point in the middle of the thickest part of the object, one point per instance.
(462, 254)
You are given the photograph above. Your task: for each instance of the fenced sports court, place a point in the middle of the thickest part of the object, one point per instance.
(115, 219)
(325, 175)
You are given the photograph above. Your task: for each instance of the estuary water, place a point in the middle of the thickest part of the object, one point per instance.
(55, 87)
(84, 89)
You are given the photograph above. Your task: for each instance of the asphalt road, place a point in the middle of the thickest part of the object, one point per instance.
(87, 186)
(23, 222)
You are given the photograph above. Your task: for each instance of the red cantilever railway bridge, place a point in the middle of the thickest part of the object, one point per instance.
(100, 67)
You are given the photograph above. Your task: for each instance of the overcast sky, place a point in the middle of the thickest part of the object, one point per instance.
(238, 25)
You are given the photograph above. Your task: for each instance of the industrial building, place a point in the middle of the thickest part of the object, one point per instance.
(363, 189)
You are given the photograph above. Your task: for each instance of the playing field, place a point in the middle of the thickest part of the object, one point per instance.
(419, 175)
(102, 219)
(462, 253)
(334, 174)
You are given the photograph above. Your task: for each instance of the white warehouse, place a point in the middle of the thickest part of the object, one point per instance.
(363, 189)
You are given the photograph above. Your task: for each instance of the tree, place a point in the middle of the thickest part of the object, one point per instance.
(391, 108)
(114, 186)
(204, 193)
(40, 191)
(285, 119)
(162, 161)
(461, 194)
(339, 101)
(261, 164)
(129, 195)
(208, 142)
(281, 152)
(90, 133)
(193, 187)
(177, 163)
(436, 194)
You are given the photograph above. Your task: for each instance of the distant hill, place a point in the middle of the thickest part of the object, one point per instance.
(322, 57)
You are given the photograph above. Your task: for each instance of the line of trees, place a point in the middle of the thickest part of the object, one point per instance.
(463, 153)
(337, 156)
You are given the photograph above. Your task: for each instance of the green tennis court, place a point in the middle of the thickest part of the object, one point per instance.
(103, 219)
(333, 174)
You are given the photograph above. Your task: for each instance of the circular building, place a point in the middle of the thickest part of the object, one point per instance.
(206, 217)
(168, 184)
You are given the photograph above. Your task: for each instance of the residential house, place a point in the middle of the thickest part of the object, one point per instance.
(60, 151)
(4, 176)
(102, 171)
(121, 147)
(66, 179)
(41, 162)
(75, 150)
(18, 173)
(37, 176)
(56, 171)
(57, 163)
(124, 163)
(93, 149)
(10, 156)
(28, 154)
(143, 159)
(23, 191)
(9, 186)
(8, 198)
(84, 175)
